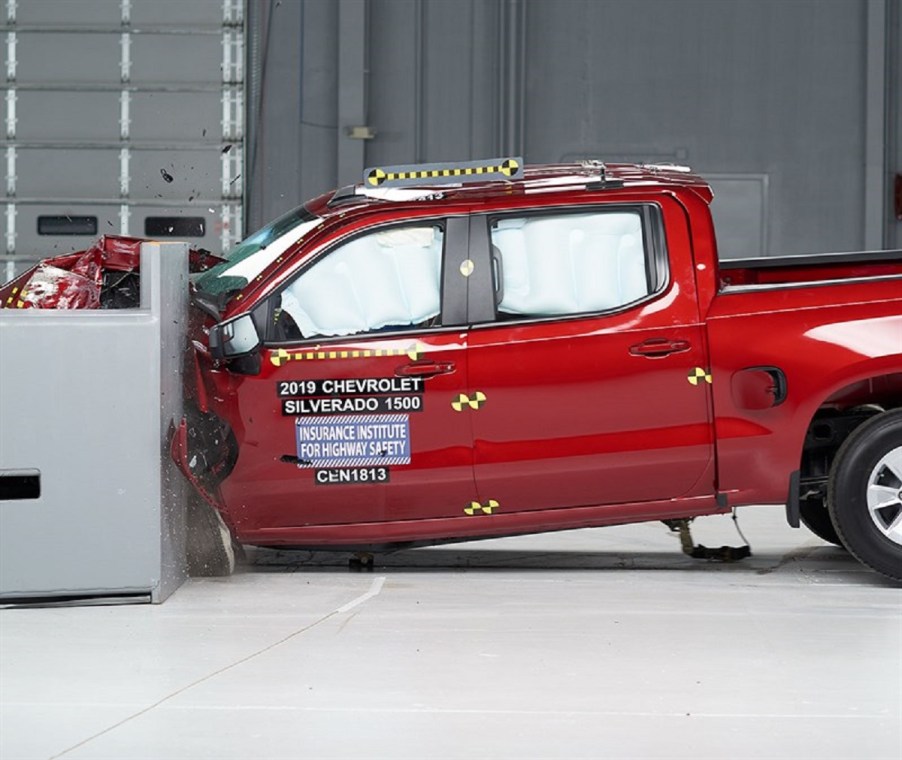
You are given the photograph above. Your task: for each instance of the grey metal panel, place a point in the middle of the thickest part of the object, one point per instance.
(103, 514)
(71, 13)
(432, 98)
(749, 86)
(194, 173)
(176, 59)
(52, 58)
(169, 299)
(351, 88)
(316, 168)
(69, 173)
(176, 117)
(177, 13)
(294, 154)
(48, 115)
(394, 95)
(875, 195)
(417, 75)
(894, 90)
(740, 210)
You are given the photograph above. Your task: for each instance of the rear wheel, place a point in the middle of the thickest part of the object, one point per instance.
(865, 490)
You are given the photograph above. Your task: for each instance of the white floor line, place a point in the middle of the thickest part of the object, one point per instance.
(374, 591)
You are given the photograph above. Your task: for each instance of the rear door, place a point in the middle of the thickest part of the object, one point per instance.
(589, 383)
(350, 419)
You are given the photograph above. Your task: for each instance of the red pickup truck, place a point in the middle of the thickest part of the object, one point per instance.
(445, 353)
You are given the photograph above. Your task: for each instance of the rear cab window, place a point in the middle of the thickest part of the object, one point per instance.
(572, 262)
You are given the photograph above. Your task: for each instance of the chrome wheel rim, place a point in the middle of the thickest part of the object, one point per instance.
(885, 495)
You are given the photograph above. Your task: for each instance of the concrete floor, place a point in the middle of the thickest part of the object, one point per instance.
(597, 643)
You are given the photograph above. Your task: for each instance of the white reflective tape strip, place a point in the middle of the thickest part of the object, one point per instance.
(125, 99)
(11, 39)
(238, 74)
(226, 110)
(232, 181)
(124, 175)
(224, 189)
(11, 6)
(239, 113)
(125, 63)
(237, 181)
(123, 219)
(10, 229)
(226, 56)
(232, 11)
(11, 113)
(11, 170)
(225, 236)
(10, 271)
(237, 228)
(126, 8)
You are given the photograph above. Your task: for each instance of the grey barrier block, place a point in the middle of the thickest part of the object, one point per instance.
(87, 400)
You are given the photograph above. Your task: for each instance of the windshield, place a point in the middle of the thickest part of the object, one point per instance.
(252, 255)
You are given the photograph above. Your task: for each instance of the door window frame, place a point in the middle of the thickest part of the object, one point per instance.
(483, 290)
(453, 291)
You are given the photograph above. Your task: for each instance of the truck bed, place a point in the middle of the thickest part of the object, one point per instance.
(793, 271)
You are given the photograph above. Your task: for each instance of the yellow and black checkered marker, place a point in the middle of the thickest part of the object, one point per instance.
(493, 169)
(697, 374)
(14, 302)
(475, 508)
(280, 356)
(464, 401)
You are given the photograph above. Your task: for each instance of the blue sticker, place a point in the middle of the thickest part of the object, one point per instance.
(362, 440)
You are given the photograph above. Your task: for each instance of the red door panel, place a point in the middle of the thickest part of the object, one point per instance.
(589, 410)
(352, 432)
(573, 417)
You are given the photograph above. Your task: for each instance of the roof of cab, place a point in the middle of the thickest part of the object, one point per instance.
(536, 178)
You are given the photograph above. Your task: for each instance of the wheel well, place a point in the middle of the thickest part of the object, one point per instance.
(835, 421)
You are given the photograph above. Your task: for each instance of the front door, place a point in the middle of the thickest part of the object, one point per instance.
(350, 420)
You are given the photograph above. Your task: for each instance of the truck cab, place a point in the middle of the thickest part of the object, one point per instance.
(432, 356)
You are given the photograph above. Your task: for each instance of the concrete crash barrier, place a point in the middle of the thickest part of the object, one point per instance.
(91, 504)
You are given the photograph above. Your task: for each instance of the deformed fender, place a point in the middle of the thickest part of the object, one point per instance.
(178, 448)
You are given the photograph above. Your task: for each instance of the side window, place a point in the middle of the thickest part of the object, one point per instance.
(569, 263)
(385, 280)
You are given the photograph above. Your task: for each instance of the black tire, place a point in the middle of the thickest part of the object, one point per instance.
(816, 517)
(870, 463)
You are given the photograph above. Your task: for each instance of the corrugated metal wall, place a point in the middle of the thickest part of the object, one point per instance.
(789, 107)
(121, 116)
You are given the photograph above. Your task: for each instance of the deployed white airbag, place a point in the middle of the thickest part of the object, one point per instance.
(385, 279)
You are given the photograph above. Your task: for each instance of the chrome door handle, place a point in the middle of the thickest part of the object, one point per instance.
(654, 348)
(425, 369)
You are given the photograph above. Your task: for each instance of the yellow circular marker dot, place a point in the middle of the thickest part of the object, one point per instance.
(466, 267)
(377, 177)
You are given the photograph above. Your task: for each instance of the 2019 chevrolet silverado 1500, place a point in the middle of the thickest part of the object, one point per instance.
(538, 348)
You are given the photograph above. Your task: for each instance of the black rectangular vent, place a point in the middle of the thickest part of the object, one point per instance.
(20, 484)
(67, 225)
(175, 226)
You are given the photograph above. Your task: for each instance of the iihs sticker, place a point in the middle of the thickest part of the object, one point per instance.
(362, 440)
